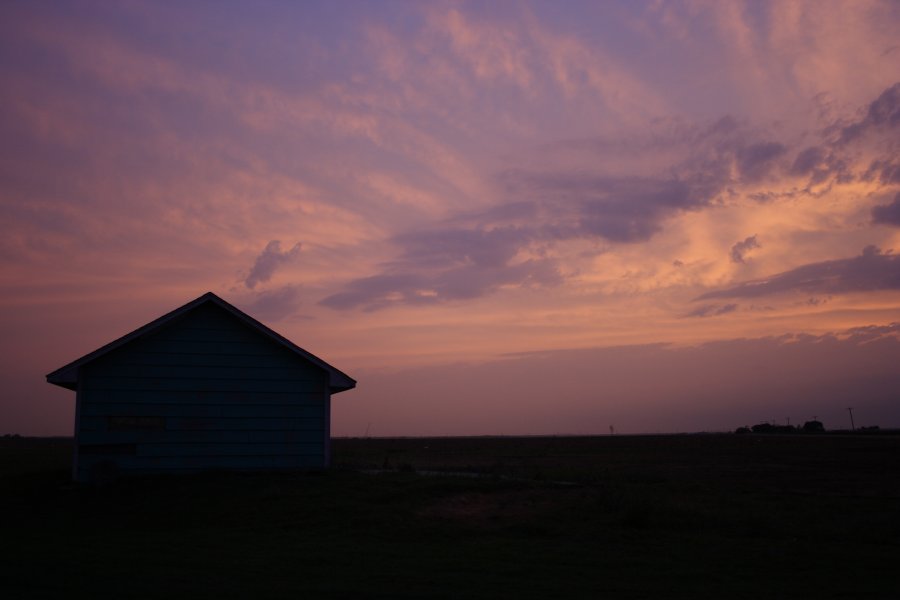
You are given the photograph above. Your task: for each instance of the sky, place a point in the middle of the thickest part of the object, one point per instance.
(500, 218)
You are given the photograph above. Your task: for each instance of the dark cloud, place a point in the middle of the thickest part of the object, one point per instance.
(888, 214)
(506, 213)
(450, 264)
(821, 162)
(431, 286)
(757, 160)
(883, 113)
(712, 310)
(266, 263)
(478, 253)
(632, 210)
(740, 249)
(872, 270)
(830, 158)
(618, 209)
(886, 172)
(808, 160)
(447, 247)
(471, 259)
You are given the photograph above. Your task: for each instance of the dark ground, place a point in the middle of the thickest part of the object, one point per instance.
(712, 516)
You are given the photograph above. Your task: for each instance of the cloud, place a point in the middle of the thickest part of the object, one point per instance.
(883, 113)
(887, 214)
(268, 262)
(755, 161)
(618, 209)
(712, 310)
(872, 270)
(886, 172)
(417, 285)
(740, 249)
(808, 160)
(507, 245)
(602, 189)
(836, 155)
(490, 248)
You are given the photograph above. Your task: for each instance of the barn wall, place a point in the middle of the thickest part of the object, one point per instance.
(204, 392)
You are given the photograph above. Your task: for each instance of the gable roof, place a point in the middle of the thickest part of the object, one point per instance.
(67, 376)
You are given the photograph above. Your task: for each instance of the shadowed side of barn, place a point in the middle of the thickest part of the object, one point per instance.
(203, 387)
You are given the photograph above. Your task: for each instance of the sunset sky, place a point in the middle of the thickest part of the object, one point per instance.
(499, 217)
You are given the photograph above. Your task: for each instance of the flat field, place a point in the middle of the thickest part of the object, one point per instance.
(710, 516)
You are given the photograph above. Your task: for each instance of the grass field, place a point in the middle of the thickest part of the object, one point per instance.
(623, 517)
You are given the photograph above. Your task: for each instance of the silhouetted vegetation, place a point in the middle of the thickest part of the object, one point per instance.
(813, 426)
(770, 428)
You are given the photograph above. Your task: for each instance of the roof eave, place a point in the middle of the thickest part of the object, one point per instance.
(343, 387)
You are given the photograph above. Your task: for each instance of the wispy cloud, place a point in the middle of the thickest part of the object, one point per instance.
(712, 310)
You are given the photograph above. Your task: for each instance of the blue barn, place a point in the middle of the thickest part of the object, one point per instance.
(203, 387)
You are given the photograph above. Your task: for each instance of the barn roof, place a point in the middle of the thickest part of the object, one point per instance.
(67, 376)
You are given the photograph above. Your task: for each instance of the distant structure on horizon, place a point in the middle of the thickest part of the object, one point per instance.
(203, 387)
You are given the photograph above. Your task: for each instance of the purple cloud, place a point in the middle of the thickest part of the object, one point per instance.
(830, 158)
(266, 263)
(445, 247)
(434, 286)
(808, 160)
(712, 310)
(471, 260)
(872, 270)
(757, 160)
(883, 113)
(618, 209)
(888, 214)
(740, 249)
(886, 172)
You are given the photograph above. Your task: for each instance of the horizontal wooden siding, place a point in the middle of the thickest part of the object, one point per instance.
(228, 398)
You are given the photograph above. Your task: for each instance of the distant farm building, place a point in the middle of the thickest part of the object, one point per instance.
(203, 387)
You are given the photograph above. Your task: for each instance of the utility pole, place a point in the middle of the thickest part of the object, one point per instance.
(852, 426)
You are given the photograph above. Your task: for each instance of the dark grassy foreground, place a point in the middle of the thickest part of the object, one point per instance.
(623, 517)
